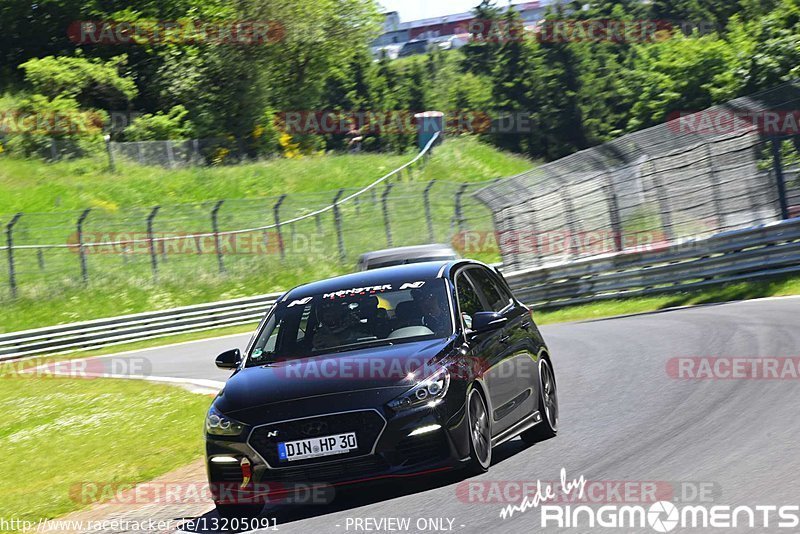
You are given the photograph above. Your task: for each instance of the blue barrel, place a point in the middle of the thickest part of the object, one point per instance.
(428, 124)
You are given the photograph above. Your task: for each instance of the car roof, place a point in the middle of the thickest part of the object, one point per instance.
(398, 274)
(407, 252)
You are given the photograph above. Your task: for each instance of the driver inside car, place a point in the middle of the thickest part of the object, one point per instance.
(338, 325)
(434, 315)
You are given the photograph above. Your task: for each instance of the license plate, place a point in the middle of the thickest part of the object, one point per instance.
(304, 449)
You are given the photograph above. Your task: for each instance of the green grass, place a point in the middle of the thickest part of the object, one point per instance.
(30, 185)
(50, 288)
(778, 287)
(65, 432)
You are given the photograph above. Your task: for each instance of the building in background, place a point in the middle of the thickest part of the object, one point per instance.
(450, 31)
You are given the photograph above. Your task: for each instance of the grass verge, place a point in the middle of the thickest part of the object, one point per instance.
(777, 287)
(34, 186)
(65, 432)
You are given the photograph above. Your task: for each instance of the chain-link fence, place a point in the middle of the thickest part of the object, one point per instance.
(182, 243)
(191, 152)
(723, 168)
(165, 153)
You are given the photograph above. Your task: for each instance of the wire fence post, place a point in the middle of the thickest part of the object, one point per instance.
(276, 209)
(153, 255)
(40, 259)
(427, 201)
(459, 212)
(12, 272)
(337, 221)
(81, 247)
(780, 180)
(385, 208)
(215, 228)
(170, 154)
(112, 166)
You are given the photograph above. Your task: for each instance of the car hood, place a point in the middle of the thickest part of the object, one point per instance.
(347, 373)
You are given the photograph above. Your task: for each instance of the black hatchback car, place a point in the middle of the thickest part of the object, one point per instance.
(385, 373)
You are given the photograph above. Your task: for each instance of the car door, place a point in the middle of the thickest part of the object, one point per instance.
(514, 379)
(484, 351)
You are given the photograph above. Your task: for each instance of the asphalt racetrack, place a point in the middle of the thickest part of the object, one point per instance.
(627, 417)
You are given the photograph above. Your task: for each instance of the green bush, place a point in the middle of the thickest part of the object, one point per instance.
(52, 128)
(161, 126)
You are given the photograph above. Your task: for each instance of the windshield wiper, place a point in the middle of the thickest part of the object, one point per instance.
(356, 346)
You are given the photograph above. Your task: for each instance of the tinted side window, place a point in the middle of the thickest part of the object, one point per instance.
(490, 289)
(468, 301)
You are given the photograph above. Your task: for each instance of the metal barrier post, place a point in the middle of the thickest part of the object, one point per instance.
(276, 213)
(12, 272)
(663, 205)
(385, 207)
(780, 181)
(716, 194)
(337, 221)
(81, 248)
(153, 255)
(427, 201)
(613, 213)
(569, 210)
(215, 227)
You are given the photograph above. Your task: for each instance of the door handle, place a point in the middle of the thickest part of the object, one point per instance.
(505, 339)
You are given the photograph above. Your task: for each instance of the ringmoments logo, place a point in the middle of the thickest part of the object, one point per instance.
(664, 516)
(661, 516)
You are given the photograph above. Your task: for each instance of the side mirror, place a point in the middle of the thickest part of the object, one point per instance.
(487, 322)
(230, 359)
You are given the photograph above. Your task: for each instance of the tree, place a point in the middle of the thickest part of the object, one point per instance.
(511, 82)
(480, 51)
(92, 82)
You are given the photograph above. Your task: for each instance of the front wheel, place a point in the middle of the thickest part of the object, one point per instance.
(480, 433)
(548, 407)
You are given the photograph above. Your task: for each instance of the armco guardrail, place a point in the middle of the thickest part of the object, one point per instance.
(118, 330)
(758, 252)
(767, 250)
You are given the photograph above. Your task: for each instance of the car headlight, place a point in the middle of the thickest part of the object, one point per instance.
(430, 391)
(219, 425)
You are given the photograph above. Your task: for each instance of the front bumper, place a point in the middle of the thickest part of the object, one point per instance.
(387, 450)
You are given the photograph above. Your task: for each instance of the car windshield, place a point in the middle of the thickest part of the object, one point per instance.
(353, 318)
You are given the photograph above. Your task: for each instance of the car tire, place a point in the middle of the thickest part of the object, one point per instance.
(239, 511)
(548, 407)
(480, 433)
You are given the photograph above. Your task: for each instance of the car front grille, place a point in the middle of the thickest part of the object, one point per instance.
(359, 468)
(367, 424)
